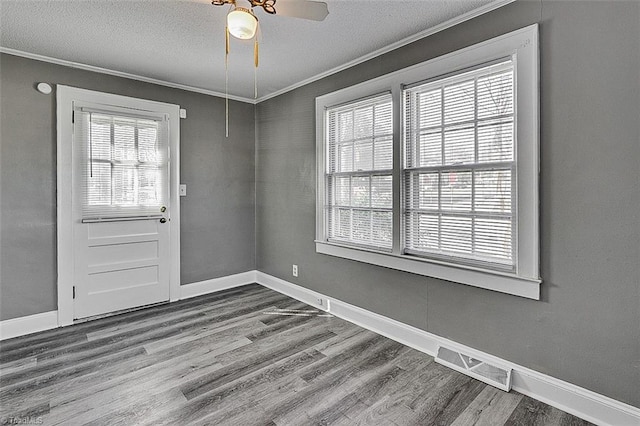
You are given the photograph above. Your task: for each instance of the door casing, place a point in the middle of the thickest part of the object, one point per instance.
(65, 97)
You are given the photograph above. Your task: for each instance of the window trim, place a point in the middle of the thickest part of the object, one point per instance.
(474, 168)
(522, 46)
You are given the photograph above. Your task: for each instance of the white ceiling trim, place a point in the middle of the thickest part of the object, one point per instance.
(422, 34)
(108, 71)
(441, 27)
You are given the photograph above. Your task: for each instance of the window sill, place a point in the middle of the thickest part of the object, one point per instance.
(496, 281)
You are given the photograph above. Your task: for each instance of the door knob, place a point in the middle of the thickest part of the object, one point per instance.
(163, 220)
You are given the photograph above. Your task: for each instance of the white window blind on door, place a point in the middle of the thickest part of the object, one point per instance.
(124, 172)
(359, 200)
(459, 172)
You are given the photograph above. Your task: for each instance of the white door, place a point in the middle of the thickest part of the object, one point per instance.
(121, 207)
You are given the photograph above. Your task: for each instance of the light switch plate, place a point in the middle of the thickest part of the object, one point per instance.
(183, 113)
(183, 189)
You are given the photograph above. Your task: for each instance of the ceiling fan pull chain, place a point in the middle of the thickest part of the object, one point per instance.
(226, 83)
(255, 68)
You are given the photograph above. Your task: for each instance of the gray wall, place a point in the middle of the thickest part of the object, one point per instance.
(586, 328)
(218, 214)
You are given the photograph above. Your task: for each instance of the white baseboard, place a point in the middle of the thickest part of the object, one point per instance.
(568, 397)
(302, 294)
(217, 284)
(27, 325)
(22, 326)
(565, 396)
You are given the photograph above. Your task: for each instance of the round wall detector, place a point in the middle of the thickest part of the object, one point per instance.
(44, 88)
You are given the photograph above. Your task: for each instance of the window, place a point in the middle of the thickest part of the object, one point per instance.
(434, 169)
(459, 166)
(126, 167)
(358, 177)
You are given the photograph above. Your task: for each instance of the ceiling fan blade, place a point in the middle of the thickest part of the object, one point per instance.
(304, 9)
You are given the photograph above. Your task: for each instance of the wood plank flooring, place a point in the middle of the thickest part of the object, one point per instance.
(247, 356)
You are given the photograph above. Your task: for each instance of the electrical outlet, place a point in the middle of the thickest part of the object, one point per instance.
(295, 270)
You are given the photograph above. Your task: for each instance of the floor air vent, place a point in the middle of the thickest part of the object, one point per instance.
(485, 371)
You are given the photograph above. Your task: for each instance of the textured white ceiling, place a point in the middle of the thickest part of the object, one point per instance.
(182, 42)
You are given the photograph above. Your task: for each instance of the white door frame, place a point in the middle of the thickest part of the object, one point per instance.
(65, 98)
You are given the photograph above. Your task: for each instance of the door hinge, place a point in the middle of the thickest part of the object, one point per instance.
(74, 291)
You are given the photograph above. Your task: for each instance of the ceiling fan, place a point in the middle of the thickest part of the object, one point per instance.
(242, 23)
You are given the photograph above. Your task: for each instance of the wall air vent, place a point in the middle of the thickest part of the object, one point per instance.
(486, 371)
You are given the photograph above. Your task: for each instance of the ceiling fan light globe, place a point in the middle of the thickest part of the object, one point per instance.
(242, 23)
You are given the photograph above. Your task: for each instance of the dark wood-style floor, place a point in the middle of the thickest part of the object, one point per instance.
(248, 356)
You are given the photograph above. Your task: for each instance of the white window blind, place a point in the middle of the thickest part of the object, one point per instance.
(462, 204)
(359, 196)
(459, 168)
(125, 164)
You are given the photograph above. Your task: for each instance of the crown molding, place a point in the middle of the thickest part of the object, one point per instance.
(422, 34)
(115, 73)
(433, 30)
